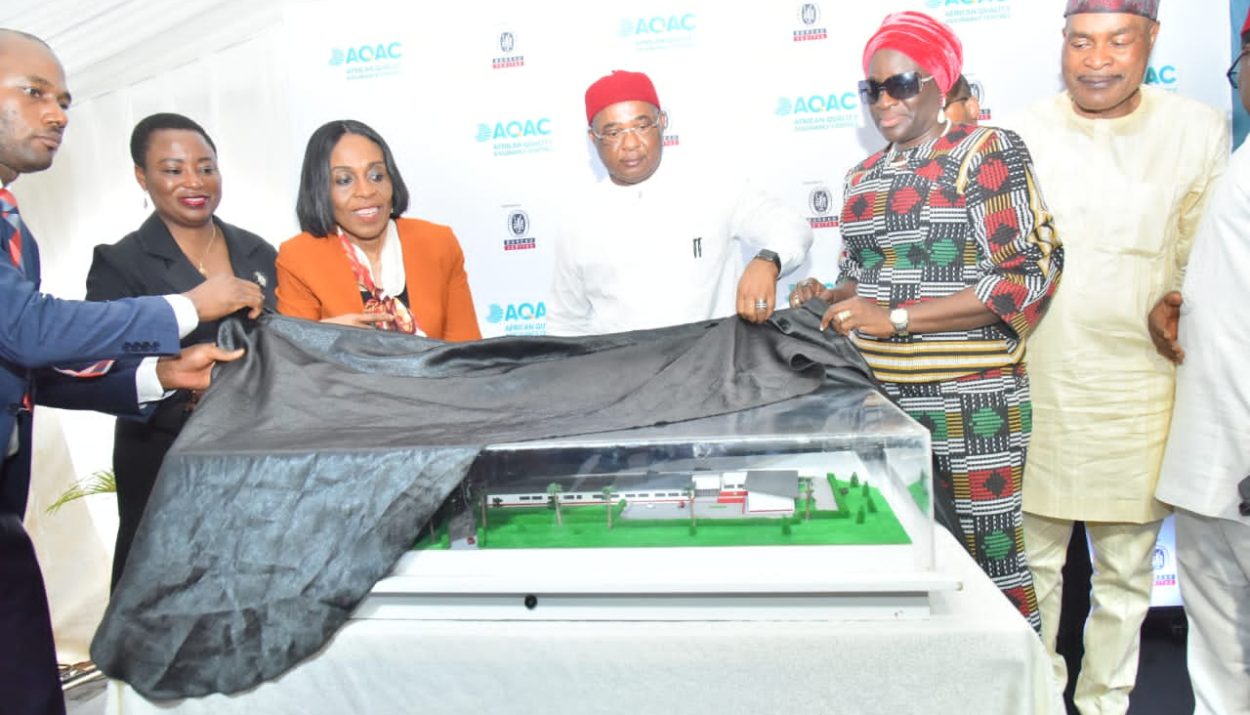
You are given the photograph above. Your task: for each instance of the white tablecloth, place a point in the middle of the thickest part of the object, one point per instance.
(975, 654)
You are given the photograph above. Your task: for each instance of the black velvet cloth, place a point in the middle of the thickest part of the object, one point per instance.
(314, 461)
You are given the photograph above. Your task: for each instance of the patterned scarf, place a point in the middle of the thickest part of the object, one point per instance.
(379, 302)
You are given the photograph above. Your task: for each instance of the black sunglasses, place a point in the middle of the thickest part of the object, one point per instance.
(1234, 73)
(900, 86)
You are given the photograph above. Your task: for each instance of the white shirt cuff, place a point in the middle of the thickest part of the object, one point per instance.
(147, 385)
(184, 312)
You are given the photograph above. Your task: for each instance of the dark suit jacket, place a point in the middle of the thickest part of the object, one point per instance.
(149, 262)
(38, 332)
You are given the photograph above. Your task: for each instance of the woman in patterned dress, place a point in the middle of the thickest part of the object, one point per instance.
(949, 259)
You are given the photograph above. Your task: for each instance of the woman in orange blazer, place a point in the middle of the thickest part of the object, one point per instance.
(358, 263)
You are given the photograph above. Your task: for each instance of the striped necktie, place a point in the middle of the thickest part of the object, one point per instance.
(8, 213)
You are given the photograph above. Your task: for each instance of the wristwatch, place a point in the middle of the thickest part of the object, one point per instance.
(771, 256)
(899, 319)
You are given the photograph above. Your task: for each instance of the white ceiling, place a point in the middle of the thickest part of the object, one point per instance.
(106, 44)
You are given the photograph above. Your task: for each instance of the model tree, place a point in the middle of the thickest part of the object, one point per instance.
(811, 494)
(690, 496)
(553, 492)
(854, 479)
(606, 495)
(859, 516)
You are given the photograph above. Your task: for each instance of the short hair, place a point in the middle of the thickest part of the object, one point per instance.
(24, 35)
(312, 205)
(959, 90)
(1245, 38)
(141, 136)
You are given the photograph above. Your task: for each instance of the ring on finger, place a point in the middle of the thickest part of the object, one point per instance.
(761, 304)
(842, 315)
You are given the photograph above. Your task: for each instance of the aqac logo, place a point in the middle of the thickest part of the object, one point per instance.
(519, 318)
(659, 32)
(513, 312)
(972, 10)
(818, 104)
(516, 129)
(368, 60)
(820, 111)
(365, 54)
(657, 25)
(935, 4)
(1164, 76)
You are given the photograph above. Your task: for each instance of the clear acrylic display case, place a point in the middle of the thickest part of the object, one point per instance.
(818, 506)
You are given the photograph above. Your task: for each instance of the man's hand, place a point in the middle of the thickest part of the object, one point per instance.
(222, 295)
(192, 369)
(757, 288)
(359, 320)
(1164, 322)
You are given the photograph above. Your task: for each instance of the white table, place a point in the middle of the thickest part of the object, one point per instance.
(975, 654)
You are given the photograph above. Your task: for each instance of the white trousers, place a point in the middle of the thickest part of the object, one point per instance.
(1119, 599)
(1213, 567)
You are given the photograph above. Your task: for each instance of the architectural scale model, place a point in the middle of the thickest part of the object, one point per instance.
(755, 507)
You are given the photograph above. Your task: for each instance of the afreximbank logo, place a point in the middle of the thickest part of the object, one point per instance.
(971, 10)
(509, 137)
(659, 32)
(820, 112)
(369, 60)
(519, 318)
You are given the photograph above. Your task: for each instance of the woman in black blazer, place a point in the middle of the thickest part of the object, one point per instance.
(176, 248)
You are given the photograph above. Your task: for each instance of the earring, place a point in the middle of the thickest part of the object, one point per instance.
(941, 117)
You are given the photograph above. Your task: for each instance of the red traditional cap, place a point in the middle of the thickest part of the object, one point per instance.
(1145, 8)
(930, 43)
(1245, 27)
(620, 86)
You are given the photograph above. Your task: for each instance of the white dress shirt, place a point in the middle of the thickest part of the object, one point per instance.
(666, 251)
(1208, 448)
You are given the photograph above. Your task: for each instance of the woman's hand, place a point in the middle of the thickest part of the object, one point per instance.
(359, 320)
(807, 289)
(858, 314)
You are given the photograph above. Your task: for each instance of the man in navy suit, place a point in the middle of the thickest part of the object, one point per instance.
(48, 354)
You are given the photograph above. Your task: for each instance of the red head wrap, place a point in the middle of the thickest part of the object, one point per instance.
(620, 86)
(1145, 8)
(930, 43)
(1246, 26)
